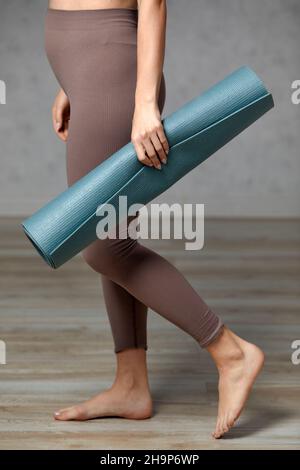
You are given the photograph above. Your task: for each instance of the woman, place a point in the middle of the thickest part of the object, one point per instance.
(108, 58)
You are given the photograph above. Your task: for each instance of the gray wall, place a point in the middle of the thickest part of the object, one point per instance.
(256, 174)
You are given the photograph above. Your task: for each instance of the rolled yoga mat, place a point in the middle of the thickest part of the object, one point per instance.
(67, 224)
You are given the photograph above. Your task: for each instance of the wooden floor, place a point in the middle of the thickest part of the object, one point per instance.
(60, 350)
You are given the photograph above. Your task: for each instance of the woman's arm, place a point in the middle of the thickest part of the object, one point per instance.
(147, 130)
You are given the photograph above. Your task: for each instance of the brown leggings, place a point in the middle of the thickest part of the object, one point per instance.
(93, 54)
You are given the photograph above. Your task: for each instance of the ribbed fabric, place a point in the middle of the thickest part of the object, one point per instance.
(93, 54)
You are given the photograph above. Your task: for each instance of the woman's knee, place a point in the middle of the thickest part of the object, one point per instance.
(105, 259)
(97, 260)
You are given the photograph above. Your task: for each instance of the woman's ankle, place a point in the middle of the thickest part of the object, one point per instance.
(131, 381)
(225, 350)
(132, 369)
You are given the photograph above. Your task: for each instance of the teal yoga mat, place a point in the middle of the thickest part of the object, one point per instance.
(67, 224)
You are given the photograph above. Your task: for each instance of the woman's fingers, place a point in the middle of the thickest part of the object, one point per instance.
(148, 136)
(151, 153)
(65, 130)
(163, 139)
(159, 148)
(58, 122)
(57, 114)
(61, 115)
(141, 154)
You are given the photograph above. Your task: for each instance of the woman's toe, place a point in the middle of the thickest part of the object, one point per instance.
(218, 428)
(67, 414)
(215, 433)
(226, 425)
(230, 421)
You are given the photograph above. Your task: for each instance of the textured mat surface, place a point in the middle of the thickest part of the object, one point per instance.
(67, 224)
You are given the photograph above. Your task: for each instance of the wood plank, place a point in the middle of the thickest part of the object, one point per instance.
(60, 349)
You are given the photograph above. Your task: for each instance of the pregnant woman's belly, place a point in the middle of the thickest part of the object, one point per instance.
(91, 4)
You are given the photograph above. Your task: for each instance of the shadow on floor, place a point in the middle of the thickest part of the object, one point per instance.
(256, 420)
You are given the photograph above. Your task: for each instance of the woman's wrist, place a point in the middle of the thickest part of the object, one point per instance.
(145, 97)
(142, 102)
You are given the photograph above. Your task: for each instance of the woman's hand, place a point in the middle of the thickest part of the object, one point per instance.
(148, 136)
(61, 115)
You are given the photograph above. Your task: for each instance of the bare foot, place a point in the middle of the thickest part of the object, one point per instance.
(237, 373)
(132, 403)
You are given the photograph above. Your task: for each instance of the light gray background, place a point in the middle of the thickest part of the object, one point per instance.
(255, 175)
